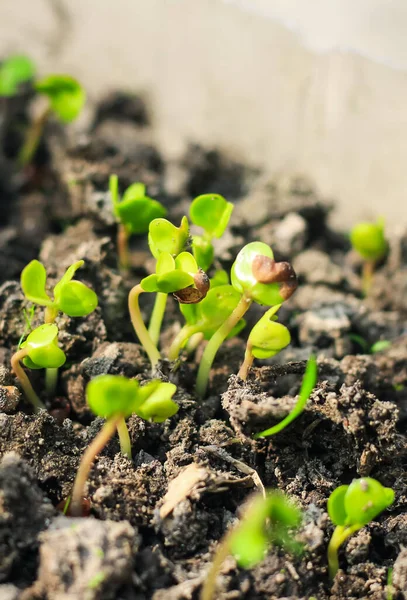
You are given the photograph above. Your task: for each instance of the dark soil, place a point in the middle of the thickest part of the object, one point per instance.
(354, 424)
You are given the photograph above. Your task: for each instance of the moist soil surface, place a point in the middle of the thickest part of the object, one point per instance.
(136, 542)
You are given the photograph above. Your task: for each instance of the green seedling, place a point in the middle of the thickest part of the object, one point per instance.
(211, 212)
(266, 339)
(378, 346)
(134, 212)
(206, 317)
(369, 241)
(65, 97)
(115, 398)
(257, 277)
(14, 72)
(39, 351)
(267, 520)
(308, 384)
(350, 508)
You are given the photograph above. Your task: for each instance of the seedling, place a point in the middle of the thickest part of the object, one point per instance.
(14, 72)
(350, 508)
(266, 339)
(369, 241)
(378, 346)
(39, 351)
(267, 520)
(308, 384)
(115, 398)
(211, 212)
(134, 212)
(258, 278)
(66, 98)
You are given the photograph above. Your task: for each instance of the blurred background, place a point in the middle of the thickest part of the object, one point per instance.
(316, 88)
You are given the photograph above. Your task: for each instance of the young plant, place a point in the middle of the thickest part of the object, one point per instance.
(39, 351)
(134, 212)
(369, 241)
(14, 72)
(267, 520)
(211, 212)
(115, 398)
(350, 508)
(66, 98)
(307, 385)
(266, 339)
(258, 278)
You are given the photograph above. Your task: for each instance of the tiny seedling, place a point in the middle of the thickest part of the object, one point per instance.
(211, 212)
(350, 508)
(378, 346)
(66, 98)
(308, 384)
(258, 278)
(134, 212)
(14, 72)
(115, 398)
(266, 339)
(267, 520)
(39, 351)
(369, 241)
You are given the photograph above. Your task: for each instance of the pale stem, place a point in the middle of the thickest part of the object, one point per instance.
(123, 247)
(124, 438)
(25, 382)
(247, 362)
(51, 381)
(33, 138)
(367, 275)
(139, 327)
(339, 536)
(216, 341)
(157, 316)
(50, 314)
(181, 339)
(222, 552)
(194, 342)
(100, 441)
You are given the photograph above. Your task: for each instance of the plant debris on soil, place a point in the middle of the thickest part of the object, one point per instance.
(155, 521)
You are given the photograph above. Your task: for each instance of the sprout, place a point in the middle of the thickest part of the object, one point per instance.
(369, 241)
(66, 98)
(266, 339)
(39, 351)
(15, 71)
(134, 211)
(266, 520)
(211, 212)
(115, 398)
(258, 278)
(308, 384)
(163, 236)
(350, 508)
(71, 297)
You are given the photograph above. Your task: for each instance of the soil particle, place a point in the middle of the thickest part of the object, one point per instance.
(121, 106)
(86, 558)
(399, 579)
(316, 267)
(326, 328)
(186, 529)
(290, 235)
(24, 512)
(9, 398)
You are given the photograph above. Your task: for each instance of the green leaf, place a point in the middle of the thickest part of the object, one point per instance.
(248, 546)
(155, 402)
(268, 338)
(41, 345)
(137, 213)
(211, 212)
(67, 276)
(365, 499)
(13, 72)
(186, 262)
(75, 299)
(112, 395)
(165, 263)
(33, 280)
(203, 252)
(135, 191)
(174, 281)
(163, 236)
(220, 277)
(65, 94)
(308, 383)
(216, 307)
(379, 346)
(336, 505)
(369, 241)
(114, 192)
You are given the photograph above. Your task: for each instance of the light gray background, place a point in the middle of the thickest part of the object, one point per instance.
(317, 87)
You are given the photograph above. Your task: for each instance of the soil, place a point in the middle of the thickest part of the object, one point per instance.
(133, 545)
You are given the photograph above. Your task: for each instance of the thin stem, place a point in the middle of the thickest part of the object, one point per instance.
(367, 275)
(339, 536)
(50, 314)
(33, 138)
(100, 441)
(194, 342)
(181, 339)
(222, 552)
(140, 328)
(247, 362)
(51, 381)
(124, 437)
(216, 341)
(25, 382)
(123, 247)
(157, 316)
